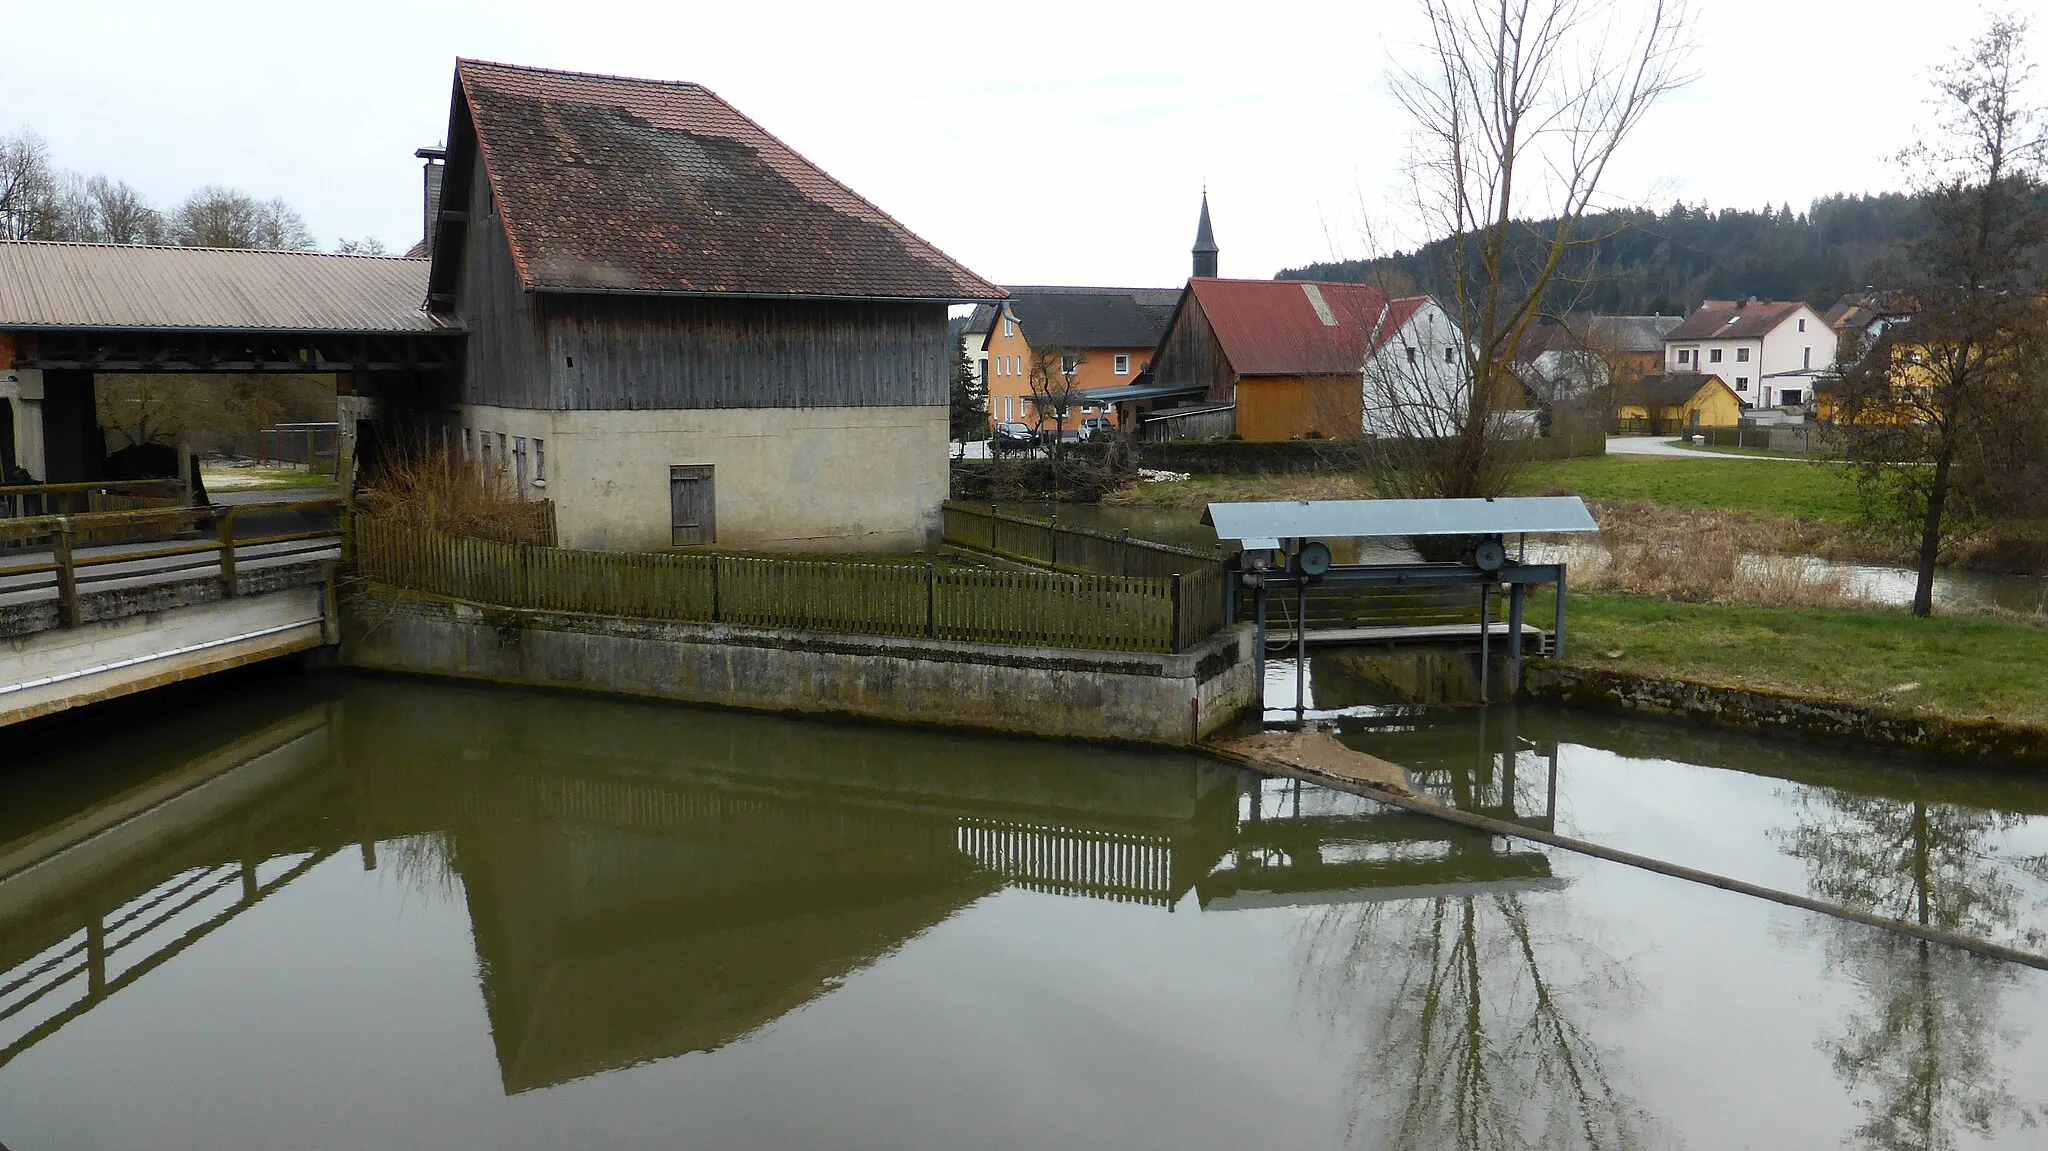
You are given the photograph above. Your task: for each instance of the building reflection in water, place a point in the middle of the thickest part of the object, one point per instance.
(645, 882)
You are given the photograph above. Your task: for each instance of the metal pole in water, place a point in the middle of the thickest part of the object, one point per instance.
(1301, 651)
(1557, 635)
(1485, 640)
(1259, 664)
(1515, 632)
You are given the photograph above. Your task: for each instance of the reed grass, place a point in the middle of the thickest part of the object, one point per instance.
(438, 491)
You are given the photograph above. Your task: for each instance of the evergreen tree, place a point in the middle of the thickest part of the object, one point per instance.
(968, 410)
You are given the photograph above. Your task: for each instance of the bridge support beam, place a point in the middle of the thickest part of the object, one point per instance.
(45, 672)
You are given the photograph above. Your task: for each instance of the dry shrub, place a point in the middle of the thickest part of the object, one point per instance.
(438, 491)
(1705, 555)
(1232, 489)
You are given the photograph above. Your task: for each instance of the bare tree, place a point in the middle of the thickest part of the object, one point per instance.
(218, 217)
(94, 209)
(1519, 106)
(1938, 413)
(1053, 379)
(28, 186)
(121, 215)
(279, 225)
(367, 246)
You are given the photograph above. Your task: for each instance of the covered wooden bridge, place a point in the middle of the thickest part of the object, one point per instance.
(72, 313)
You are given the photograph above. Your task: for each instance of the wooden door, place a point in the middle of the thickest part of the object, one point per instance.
(691, 505)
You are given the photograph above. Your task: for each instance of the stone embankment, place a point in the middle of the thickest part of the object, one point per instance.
(1986, 742)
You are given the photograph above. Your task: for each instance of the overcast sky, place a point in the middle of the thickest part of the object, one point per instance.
(1045, 143)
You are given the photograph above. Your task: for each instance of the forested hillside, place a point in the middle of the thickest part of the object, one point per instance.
(1667, 262)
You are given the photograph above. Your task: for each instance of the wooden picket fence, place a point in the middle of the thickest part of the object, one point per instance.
(1051, 544)
(1040, 609)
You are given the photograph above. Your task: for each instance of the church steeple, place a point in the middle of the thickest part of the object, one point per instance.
(1205, 242)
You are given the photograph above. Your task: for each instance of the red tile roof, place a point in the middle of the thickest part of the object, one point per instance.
(1299, 327)
(1734, 319)
(609, 184)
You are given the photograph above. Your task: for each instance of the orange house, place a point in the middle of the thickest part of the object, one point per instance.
(1045, 343)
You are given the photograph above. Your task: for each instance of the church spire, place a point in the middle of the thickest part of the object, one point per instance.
(1205, 242)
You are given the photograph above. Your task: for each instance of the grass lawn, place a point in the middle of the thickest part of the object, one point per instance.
(1961, 667)
(1802, 489)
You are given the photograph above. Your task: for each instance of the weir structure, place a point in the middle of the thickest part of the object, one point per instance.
(1284, 551)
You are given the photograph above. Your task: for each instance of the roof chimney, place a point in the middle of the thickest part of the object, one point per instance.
(436, 158)
(1205, 242)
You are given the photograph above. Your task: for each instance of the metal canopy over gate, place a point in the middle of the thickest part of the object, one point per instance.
(1285, 549)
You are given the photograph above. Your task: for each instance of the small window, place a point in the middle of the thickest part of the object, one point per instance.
(1714, 355)
(1009, 328)
(1122, 365)
(1802, 325)
(468, 448)
(1069, 365)
(1742, 355)
(1789, 395)
(1809, 359)
(540, 461)
(1411, 354)
(1742, 383)
(691, 505)
(1450, 355)
(1684, 356)
(519, 463)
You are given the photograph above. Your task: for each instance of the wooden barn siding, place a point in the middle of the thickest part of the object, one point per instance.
(1192, 355)
(664, 352)
(506, 361)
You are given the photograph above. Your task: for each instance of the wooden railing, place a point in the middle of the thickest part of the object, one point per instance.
(19, 501)
(1046, 609)
(1051, 544)
(73, 572)
(1334, 608)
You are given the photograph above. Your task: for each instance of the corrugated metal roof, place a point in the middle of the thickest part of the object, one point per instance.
(134, 286)
(612, 184)
(1367, 519)
(1299, 327)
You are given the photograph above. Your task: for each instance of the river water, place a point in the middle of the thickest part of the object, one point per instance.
(354, 912)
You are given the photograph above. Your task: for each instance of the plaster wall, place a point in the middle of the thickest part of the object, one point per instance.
(797, 479)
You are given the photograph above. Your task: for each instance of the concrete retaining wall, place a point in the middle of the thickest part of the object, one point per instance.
(1174, 700)
(49, 671)
(1985, 742)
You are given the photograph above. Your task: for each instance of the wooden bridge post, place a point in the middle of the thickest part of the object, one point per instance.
(224, 529)
(1175, 645)
(67, 574)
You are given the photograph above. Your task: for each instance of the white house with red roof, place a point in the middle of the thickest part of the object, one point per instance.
(1771, 353)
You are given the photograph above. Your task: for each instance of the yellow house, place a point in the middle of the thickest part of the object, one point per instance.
(1678, 401)
(1913, 385)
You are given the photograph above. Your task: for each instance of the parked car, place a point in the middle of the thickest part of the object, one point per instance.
(1015, 432)
(1096, 426)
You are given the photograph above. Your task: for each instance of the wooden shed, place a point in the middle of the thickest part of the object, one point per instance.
(681, 331)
